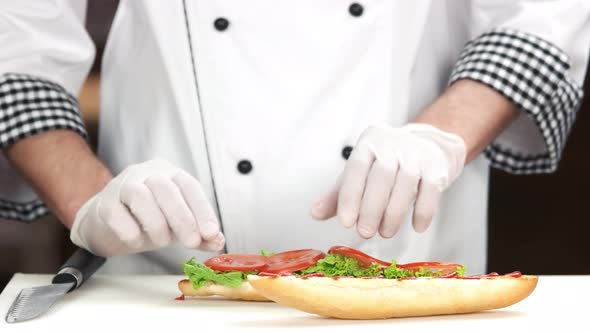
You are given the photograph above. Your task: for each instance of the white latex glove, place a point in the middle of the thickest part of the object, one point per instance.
(390, 171)
(147, 206)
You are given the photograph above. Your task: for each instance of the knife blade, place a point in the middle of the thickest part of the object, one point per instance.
(33, 302)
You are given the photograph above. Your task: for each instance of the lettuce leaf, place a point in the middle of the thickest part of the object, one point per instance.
(266, 253)
(394, 272)
(374, 270)
(422, 272)
(461, 270)
(199, 275)
(336, 265)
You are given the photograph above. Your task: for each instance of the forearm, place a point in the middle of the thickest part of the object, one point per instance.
(472, 110)
(62, 169)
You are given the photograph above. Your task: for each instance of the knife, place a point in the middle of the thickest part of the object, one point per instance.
(32, 302)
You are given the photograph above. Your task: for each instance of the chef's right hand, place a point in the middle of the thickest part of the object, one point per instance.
(147, 206)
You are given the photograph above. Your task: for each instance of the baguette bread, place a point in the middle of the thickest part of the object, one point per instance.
(357, 298)
(244, 292)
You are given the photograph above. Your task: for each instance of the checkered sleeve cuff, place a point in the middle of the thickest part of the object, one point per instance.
(30, 105)
(27, 212)
(532, 73)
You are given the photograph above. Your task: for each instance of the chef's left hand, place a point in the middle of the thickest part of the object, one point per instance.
(390, 171)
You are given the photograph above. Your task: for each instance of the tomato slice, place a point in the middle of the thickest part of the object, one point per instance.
(294, 260)
(515, 274)
(453, 275)
(268, 274)
(481, 276)
(237, 262)
(443, 268)
(360, 256)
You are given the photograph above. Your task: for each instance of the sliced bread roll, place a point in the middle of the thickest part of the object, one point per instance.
(357, 298)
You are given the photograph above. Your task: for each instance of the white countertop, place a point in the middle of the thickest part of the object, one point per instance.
(146, 303)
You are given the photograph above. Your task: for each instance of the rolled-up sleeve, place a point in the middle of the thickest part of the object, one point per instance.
(46, 57)
(535, 54)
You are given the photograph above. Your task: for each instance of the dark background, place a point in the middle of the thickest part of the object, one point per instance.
(537, 224)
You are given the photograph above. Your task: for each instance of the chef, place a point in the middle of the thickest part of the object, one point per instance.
(233, 126)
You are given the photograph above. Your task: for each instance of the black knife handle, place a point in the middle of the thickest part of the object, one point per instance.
(78, 268)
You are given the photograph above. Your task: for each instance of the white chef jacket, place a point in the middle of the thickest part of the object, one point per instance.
(262, 100)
